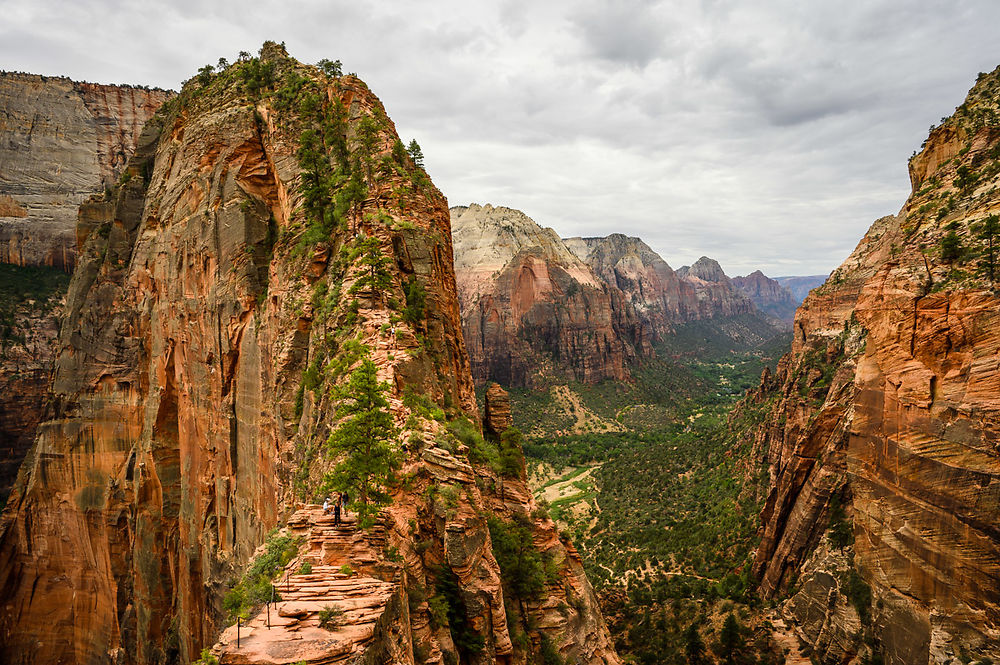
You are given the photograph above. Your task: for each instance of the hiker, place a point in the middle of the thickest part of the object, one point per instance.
(336, 514)
(344, 500)
(326, 506)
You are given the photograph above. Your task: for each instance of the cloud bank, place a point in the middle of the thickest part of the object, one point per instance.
(764, 134)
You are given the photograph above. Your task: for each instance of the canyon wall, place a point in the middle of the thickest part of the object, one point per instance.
(880, 526)
(270, 234)
(60, 142)
(536, 306)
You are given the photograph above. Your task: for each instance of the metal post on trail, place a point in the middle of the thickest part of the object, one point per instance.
(237, 631)
(288, 588)
(269, 608)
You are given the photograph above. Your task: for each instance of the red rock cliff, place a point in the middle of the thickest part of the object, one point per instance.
(885, 422)
(212, 312)
(531, 308)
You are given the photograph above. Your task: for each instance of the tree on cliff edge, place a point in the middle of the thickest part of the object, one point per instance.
(366, 439)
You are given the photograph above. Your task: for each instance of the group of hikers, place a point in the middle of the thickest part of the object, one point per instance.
(338, 505)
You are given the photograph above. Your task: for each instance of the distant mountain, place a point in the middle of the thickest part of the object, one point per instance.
(535, 305)
(531, 307)
(801, 286)
(768, 295)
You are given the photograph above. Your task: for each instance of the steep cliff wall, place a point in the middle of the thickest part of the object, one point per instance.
(220, 296)
(651, 286)
(800, 286)
(60, 142)
(30, 307)
(532, 308)
(881, 519)
(768, 295)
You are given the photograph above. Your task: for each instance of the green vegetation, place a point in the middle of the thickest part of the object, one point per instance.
(448, 609)
(366, 441)
(330, 617)
(951, 247)
(860, 594)
(416, 300)
(988, 232)
(374, 276)
(254, 588)
(665, 512)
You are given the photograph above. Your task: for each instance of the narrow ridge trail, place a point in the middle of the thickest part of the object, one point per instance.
(362, 594)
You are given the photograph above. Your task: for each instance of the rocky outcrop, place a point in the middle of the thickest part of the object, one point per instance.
(885, 419)
(271, 233)
(768, 295)
(60, 142)
(531, 308)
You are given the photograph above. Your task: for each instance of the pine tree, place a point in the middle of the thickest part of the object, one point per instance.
(366, 439)
(988, 233)
(416, 154)
(374, 275)
(694, 647)
(731, 639)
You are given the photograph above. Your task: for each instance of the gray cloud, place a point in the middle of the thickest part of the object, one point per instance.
(762, 133)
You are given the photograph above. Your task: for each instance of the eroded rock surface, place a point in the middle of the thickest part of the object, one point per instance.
(60, 142)
(768, 295)
(533, 308)
(888, 406)
(206, 326)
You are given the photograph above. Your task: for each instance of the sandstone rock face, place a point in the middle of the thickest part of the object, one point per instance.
(651, 286)
(533, 308)
(207, 323)
(888, 402)
(497, 418)
(768, 295)
(60, 142)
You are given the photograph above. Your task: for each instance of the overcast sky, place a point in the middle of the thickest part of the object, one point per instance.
(763, 134)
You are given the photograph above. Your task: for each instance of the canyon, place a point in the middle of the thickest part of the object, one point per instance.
(536, 307)
(218, 300)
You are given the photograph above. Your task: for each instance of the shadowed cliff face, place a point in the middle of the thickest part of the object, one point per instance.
(61, 141)
(211, 313)
(888, 406)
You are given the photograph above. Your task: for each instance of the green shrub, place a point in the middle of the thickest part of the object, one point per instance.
(330, 617)
(255, 588)
(306, 568)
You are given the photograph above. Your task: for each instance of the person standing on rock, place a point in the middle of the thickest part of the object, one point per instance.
(326, 506)
(336, 514)
(344, 500)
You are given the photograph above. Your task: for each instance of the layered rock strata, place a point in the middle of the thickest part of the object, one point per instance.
(651, 286)
(536, 307)
(768, 295)
(60, 142)
(885, 420)
(223, 291)
(532, 308)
